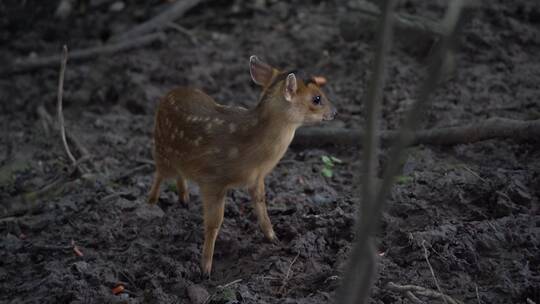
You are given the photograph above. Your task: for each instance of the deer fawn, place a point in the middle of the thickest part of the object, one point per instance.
(221, 147)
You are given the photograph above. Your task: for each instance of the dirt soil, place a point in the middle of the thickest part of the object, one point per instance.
(475, 207)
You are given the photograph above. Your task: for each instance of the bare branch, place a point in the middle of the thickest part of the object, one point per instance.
(177, 10)
(59, 104)
(401, 19)
(22, 66)
(184, 31)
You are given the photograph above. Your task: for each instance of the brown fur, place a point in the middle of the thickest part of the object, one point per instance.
(221, 147)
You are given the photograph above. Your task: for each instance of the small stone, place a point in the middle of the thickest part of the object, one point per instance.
(149, 212)
(117, 6)
(321, 199)
(81, 267)
(197, 294)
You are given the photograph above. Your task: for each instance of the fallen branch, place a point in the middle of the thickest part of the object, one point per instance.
(493, 128)
(177, 10)
(22, 66)
(422, 291)
(30, 202)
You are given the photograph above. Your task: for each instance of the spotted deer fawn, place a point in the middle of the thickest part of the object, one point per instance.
(222, 147)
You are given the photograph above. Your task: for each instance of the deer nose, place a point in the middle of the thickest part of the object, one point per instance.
(334, 111)
(331, 114)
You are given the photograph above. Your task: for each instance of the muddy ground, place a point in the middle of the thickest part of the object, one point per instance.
(475, 205)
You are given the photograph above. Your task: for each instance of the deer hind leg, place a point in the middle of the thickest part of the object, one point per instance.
(259, 205)
(183, 191)
(153, 196)
(213, 207)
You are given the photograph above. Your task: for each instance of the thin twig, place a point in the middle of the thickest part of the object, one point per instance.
(422, 291)
(132, 171)
(230, 283)
(477, 294)
(184, 31)
(59, 104)
(431, 270)
(413, 298)
(474, 174)
(284, 283)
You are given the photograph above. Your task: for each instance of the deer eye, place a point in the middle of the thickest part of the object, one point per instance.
(317, 100)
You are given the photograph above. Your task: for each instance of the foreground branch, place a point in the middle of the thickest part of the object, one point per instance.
(361, 267)
(493, 128)
(160, 21)
(22, 66)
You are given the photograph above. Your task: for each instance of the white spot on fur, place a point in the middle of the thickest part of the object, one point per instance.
(181, 133)
(232, 127)
(208, 126)
(233, 152)
(218, 121)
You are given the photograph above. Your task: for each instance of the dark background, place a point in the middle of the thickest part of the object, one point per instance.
(475, 205)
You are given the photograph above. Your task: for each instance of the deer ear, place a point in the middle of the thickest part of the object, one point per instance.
(290, 86)
(319, 80)
(261, 72)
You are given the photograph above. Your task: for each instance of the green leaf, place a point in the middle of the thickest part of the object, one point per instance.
(327, 172)
(171, 187)
(403, 179)
(336, 160)
(327, 161)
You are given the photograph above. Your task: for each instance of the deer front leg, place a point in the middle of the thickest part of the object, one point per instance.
(213, 208)
(259, 205)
